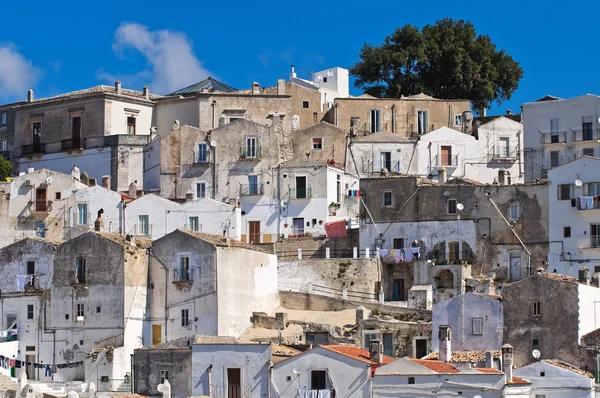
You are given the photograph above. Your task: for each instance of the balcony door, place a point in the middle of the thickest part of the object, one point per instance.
(298, 225)
(504, 146)
(76, 131)
(386, 160)
(254, 231)
(40, 199)
(595, 235)
(301, 187)
(446, 155)
(234, 383)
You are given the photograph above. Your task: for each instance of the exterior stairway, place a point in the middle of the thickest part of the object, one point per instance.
(7, 384)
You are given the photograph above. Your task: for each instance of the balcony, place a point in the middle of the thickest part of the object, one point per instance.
(375, 166)
(501, 153)
(181, 277)
(585, 135)
(300, 193)
(33, 149)
(559, 137)
(250, 152)
(141, 230)
(590, 242)
(76, 144)
(444, 161)
(40, 206)
(251, 189)
(588, 203)
(201, 158)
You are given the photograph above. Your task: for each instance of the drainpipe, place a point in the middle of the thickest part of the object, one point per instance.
(519, 153)
(149, 250)
(278, 202)
(450, 116)
(214, 173)
(270, 378)
(394, 119)
(214, 103)
(210, 385)
(336, 114)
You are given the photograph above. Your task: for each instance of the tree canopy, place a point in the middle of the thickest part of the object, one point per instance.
(447, 60)
(6, 168)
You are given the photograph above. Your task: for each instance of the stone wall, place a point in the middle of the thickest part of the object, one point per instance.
(148, 364)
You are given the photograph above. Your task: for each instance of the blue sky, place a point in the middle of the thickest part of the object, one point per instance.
(55, 47)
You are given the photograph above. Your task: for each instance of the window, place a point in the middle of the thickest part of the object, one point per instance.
(458, 120)
(184, 268)
(130, 125)
(252, 185)
(554, 137)
(536, 308)
(411, 380)
(40, 231)
(194, 224)
(476, 326)
(3, 145)
(587, 128)
(453, 252)
(317, 339)
(398, 243)
(164, 375)
(185, 317)
(554, 162)
(82, 214)
(514, 212)
(594, 235)
(57, 196)
(375, 120)
(37, 134)
(386, 161)
(29, 311)
(76, 131)
(305, 104)
(144, 225)
(387, 199)
(388, 344)
(566, 232)
(317, 143)
(80, 271)
(451, 206)
(535, 343)
(565, 191)
(80, 311)
(591, 189)
(202, 155)
(200, 190)
(542, 374)
(422, 122)
(3, 119)
(588, 151)
(368, 338)
(540, 395)
(318, 379)
(251, 148)
(98, 310)
(325, 79)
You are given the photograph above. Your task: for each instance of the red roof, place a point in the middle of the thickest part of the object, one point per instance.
(517, 380)
(488, 370)
(357, 353)
(436, 366)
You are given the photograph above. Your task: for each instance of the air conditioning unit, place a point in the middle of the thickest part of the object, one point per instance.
(29, 182)
(80, 319)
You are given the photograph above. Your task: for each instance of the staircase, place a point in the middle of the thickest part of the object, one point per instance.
(7, 384)
(124, 387)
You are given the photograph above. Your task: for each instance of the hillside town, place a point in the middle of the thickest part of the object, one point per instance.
(291, 240)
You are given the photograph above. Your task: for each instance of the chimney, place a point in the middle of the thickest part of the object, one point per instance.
(189, 196)
(146, 92)
(489, 360)
(596, 276)
(275, 120)
(376, 351)
(281, 320)
(132, 190)
(508, 112)
(99, 223)
(442, 175)
(293, 74)
(176, 125)
(30, 170)
(255, 88)
(30, 95)
(482, 112)
(106, 182)
(445, 343)
(507, 361)
(361, 314)
(584, 275)
(76, 173)
(92, 182)
(280, 87)
(118, 88)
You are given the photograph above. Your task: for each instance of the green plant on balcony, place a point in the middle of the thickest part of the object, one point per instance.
(334, 207)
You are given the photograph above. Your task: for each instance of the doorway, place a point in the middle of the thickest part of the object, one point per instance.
(234, 382)
(29, 369)
(515, 266)
(420, 348)
(254, 231)
(298, 226)
(446, 155)
(504, 147)
(398, 292)
(156, 334)
(76, 131)
(301, 192)
(386, 160)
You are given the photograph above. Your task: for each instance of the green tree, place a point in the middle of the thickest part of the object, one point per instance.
(447, 60)
(6, 168)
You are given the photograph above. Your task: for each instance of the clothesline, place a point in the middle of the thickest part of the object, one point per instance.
(7, 363)
(584, 202)
(22, 280)
(400, 255)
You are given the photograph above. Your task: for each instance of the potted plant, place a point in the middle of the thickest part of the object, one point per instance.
(320, 222)
(333, 207)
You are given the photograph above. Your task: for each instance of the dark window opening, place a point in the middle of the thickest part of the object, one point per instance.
(318, 379)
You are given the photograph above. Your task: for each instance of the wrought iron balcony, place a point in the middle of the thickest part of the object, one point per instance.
(251, 189)
(585, 135)
(250, 152)
(71, 144)
(375, 166)
(33, 149)
(500, 153)
(201, 157)
(301, 193)
(445, 161)
(559, 137)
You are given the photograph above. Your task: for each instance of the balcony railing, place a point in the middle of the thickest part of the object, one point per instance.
(585, 135)
(202, 158)
(559, 137)
(589, 242)
(180, 276)
(144, 230)
(32, 149)
(440, 161)
(251, 189)
(301, 193)
(499, 152)
(71, 144)
(375, 166)
(414, 129)
(40, 205)
(587, 202)
(250, 152)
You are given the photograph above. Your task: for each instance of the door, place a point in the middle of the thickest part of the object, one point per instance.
(76, 131)
(453, 252)
(301, 192)
(446, 155)
(594, 235)
(554, 138)
(31, 271)
(29, 369)
(420, 348)
(254, 231)
(40, 199)
(252, 185)
(504, 147)
(234, 382)
(156, 334)
(386, 160)
(298, 226)
(318, 380)
(398, 293)
(515, 267)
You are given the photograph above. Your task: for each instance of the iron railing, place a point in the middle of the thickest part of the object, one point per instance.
(585, 135)
(201, 157)
(141, 230)
(438, 161)
(71, 144)
(558, 137)
(33, 149)
(588, 203)
(251, 189)
(500, 152)
(375, 166)
(250, 152)
(300, 193)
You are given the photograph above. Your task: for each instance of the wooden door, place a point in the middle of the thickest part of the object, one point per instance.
(234, 382)
(156, 334)
(40, 199)
(254, 231)
(446, 155)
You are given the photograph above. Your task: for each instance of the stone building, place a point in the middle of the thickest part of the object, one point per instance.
(500, 230)
(7, 130)
(103, 129)
(535, 308)
(198, 281)
(320, 142)
(372, 153)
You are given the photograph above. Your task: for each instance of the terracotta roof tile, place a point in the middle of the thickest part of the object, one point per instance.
(569, 367)
(489, 370)
(223, 241)
(517, 381)
(357, 353)
(436, 366)
(558, 277)
(465, 356)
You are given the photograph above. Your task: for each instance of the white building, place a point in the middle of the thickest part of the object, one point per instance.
(557, 379)
(558, 130)
(332, 83)
(86, 204)
(372, 153)
(574, 208)
(154, 217)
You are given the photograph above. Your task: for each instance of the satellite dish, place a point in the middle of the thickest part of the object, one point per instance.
(460, 207)
(536, 353)
(477, 396)
(330, 72)
(213, 143)
(48, 180)
(296, 371)
(153, 129)
(578, 183)
(319, 78)
(159, 388)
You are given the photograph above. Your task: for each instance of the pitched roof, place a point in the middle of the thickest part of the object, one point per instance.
(420, 96)
(559, 277)
(357, 353)
(436, 366)
(574, 160)
(548, 98)
(566, 366)
(383, 137)
(222, 241)
(209, 84)
(517, 381)
(96, 90)
(464, 356)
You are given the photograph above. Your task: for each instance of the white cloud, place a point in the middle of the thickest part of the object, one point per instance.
(17, 74)
(172, 63)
